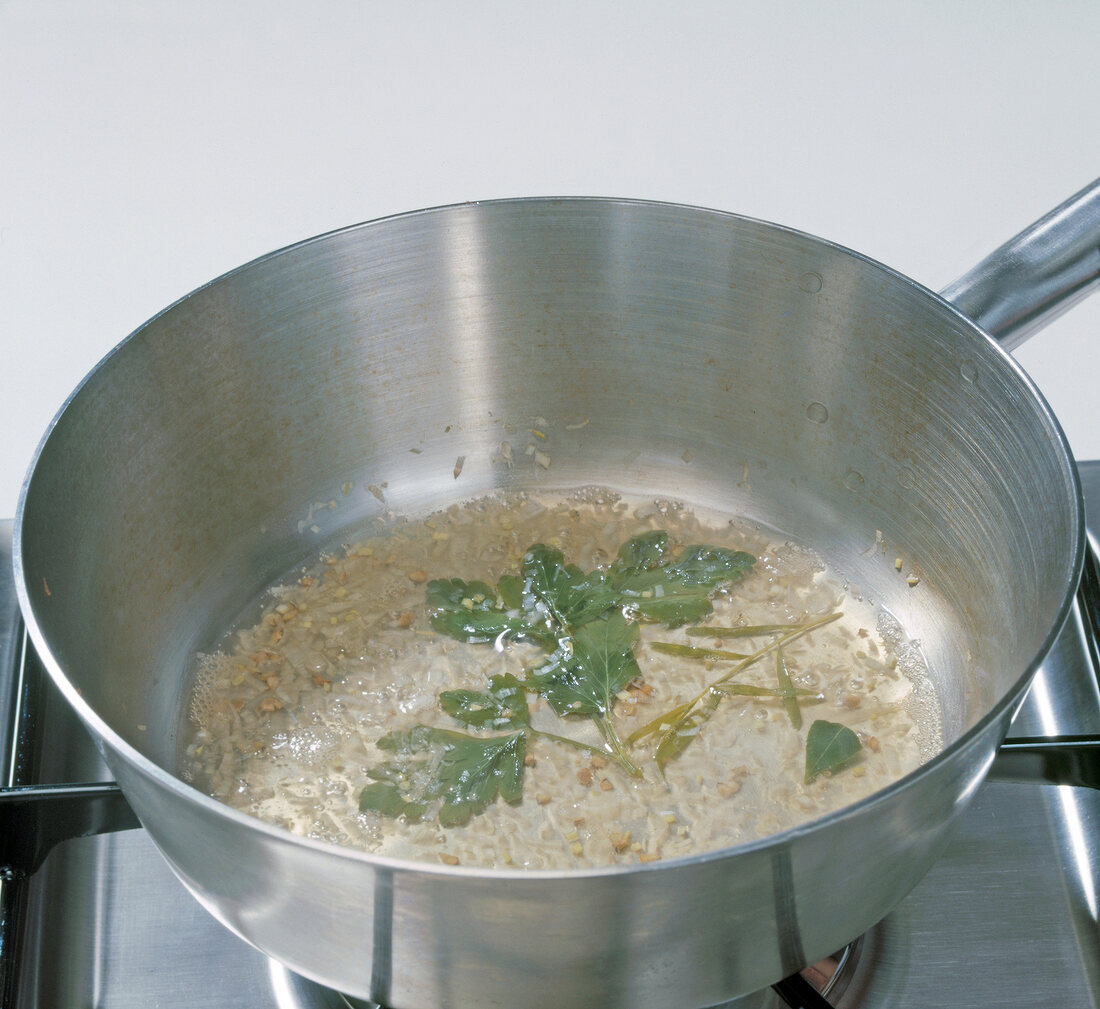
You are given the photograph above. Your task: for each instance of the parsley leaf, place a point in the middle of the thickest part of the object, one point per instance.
(679, 592)
(561, 596)
(466, 772)
(503, 706)
(640, 554)
(385, 797)
(472, 611)
(589, 668)
(672, 605)
(709, 566)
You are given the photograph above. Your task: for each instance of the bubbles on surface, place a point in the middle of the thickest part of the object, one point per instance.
(922, 701)
(313, 745)
(202, 692)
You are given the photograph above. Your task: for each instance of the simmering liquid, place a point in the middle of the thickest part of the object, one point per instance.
(287, 715)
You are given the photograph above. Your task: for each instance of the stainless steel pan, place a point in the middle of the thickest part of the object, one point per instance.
(814, 388)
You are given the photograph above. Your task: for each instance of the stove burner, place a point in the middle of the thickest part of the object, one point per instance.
(816, 986)
(831, 975)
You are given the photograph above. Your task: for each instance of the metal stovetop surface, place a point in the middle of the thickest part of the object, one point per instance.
(1009, 915)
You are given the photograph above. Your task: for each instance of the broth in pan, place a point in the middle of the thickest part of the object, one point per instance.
(549, 684)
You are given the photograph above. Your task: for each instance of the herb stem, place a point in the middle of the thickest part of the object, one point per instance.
(786, 689)
(797, 632)
(618, 751)
(677, 717)
(691, 652)
(619, 756)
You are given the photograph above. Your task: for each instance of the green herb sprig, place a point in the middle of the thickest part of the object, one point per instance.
(586, 622)
(677, 729)
(462, 772)
(466, 773)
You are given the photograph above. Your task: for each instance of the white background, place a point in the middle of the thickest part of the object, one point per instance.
(146, 147)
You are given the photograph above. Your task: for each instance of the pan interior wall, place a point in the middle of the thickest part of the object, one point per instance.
(660, 350)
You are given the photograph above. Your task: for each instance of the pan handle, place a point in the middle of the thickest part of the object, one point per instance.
(1034, 277)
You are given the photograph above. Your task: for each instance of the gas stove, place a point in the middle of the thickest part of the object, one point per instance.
(1009, 914)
